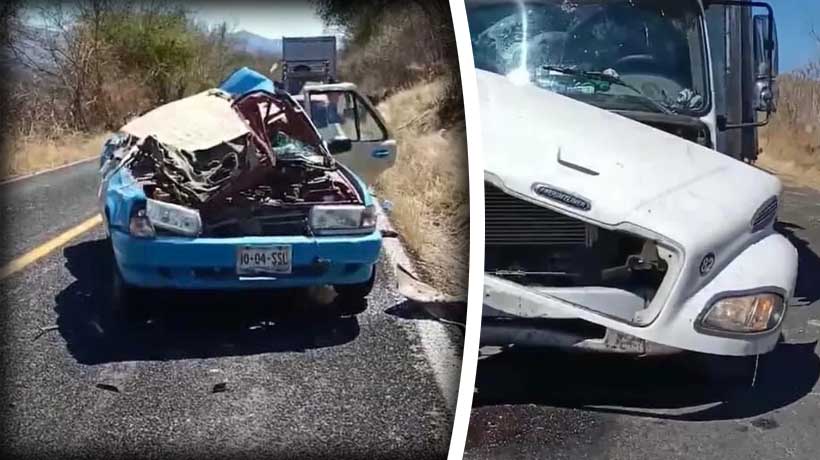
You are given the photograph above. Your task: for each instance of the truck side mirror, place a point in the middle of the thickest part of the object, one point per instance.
(766, 62)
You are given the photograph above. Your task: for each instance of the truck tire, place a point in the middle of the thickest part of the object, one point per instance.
(351, 297)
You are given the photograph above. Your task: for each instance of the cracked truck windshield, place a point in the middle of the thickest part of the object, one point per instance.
(645, 55)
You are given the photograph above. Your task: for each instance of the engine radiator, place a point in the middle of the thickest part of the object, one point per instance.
(510, 221)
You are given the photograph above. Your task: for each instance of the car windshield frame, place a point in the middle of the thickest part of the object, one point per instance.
(701, 79)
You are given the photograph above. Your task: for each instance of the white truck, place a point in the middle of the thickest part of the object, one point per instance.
(308, 59)
(618, 216)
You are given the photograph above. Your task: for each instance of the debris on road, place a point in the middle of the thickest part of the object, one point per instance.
(107, 387)
(220, 388)
(43, 330)
(387, 206)
(444, 307)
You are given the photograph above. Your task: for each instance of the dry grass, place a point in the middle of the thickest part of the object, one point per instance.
(33, 153)
(790, 144)
(428, 186)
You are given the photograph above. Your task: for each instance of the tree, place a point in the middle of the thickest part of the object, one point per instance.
(397, 43)
(68, 49)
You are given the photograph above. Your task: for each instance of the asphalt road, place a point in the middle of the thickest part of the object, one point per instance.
(552, 405)
(265, 374)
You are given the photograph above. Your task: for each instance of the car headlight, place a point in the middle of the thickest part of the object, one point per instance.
(172, 217)
(342, 219)
(745, 313)
(140, 225)
(369, 217)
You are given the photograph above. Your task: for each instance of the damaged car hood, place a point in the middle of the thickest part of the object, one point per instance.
(610, 170)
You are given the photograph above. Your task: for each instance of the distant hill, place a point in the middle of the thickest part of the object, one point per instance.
(257, 44)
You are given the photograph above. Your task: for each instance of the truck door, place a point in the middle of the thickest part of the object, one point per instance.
(346, 114)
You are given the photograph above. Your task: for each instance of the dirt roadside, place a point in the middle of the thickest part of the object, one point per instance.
(427, 189)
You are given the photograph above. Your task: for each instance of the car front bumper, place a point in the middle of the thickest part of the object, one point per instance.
(210, 263)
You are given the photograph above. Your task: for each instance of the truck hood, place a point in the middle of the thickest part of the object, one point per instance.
(628, 172)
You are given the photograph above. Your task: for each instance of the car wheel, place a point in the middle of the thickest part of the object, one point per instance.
(351, 297)
(124, 300)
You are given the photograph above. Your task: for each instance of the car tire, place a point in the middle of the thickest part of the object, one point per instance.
(123, 300)
(350, 298)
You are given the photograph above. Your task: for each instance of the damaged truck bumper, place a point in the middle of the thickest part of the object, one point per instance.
(549, 316)
(210, 263)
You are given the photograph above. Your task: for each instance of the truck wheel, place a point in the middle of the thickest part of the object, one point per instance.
(351, 297)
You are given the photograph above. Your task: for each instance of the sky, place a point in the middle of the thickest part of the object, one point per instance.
(794, 19)
(271, 20)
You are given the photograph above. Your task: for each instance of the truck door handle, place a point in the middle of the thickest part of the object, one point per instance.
(380, 153)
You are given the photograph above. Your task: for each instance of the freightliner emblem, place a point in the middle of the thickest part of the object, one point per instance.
(562, 197)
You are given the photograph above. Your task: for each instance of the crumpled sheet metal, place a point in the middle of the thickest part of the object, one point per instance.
(193, 123)
(178, 173)
(203, 148)
(246, 80)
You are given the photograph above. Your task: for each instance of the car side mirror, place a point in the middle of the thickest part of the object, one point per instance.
(339, 145)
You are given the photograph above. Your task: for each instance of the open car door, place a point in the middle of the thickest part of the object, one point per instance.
(341, 113)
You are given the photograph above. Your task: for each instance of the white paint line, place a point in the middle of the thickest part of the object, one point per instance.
(46, 171)
(444, 359)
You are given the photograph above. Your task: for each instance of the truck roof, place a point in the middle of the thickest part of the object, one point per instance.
(314, 38)
(344, 86)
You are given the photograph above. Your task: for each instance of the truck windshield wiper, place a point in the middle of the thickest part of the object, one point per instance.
(609, 78)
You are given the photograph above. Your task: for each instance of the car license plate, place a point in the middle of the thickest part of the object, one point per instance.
(252, 260)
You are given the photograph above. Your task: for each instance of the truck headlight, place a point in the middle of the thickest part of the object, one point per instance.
(342, 219)
(172, 217)
(745, 313)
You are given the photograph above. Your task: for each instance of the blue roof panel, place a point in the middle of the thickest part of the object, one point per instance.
(246, 80)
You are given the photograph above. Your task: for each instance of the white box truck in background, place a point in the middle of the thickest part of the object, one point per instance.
(308, 59)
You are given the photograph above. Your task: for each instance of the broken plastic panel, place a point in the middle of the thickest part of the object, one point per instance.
(614, 273)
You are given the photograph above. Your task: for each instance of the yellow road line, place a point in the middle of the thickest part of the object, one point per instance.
(44, 249)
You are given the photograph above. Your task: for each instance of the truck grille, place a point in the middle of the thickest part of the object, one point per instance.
(765, 214)
(510, 221)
